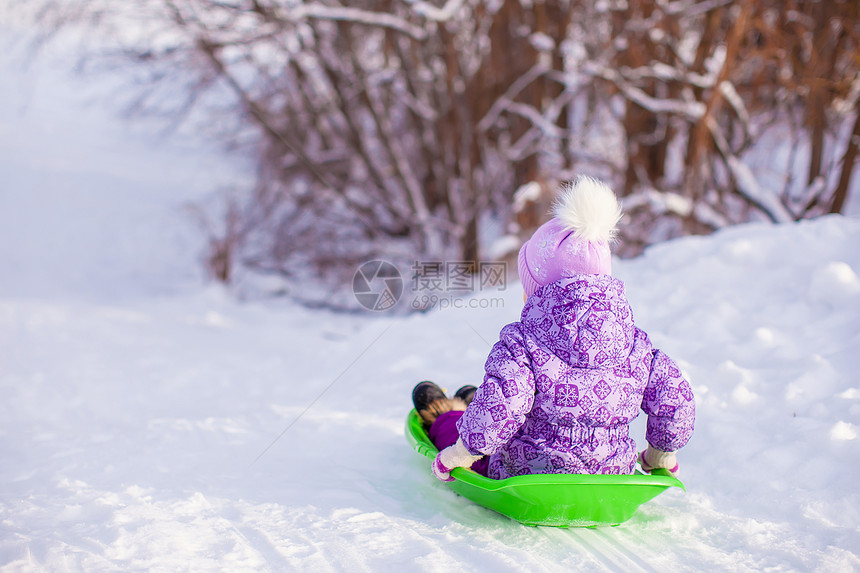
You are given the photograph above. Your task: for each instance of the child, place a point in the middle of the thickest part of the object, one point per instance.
(563, 384)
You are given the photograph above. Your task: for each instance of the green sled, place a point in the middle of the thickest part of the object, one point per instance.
(557, 500)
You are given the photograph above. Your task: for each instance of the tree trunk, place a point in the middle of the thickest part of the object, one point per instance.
(841, 193)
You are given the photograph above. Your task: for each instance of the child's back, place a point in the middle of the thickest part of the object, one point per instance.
(563, 384)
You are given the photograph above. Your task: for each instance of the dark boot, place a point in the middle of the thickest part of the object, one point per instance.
(425, 393)
(431, 402)
(466, 393)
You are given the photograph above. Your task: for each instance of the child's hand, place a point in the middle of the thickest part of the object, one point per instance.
(456, 456)
(440, 471)
(652, 458)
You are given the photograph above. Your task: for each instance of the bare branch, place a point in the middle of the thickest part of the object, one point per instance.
(355, 15)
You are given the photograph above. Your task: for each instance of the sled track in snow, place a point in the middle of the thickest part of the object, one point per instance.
(607, 547)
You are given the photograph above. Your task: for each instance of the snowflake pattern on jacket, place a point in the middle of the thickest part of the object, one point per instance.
(563, 384)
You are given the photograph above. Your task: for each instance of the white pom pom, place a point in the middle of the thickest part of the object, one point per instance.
(589, 208)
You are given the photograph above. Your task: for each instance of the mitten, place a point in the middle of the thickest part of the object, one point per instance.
(653, 458)
(456, 456)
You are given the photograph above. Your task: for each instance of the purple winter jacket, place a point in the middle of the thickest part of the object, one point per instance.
(563, 383)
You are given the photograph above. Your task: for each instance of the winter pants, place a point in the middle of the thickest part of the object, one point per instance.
(443, 433)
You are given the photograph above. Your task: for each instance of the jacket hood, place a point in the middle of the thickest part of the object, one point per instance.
(585, 320)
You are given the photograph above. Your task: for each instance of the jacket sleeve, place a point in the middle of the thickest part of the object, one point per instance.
(501, 403)
(668, 401)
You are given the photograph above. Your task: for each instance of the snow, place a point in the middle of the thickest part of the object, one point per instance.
(431, 12)
(149, 420)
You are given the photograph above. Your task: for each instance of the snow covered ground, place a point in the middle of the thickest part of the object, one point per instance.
(151, 421)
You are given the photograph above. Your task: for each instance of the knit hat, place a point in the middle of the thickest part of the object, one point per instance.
(576, 240)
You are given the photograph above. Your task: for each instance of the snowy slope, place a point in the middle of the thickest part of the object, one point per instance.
(149, 421)
(130, 430)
